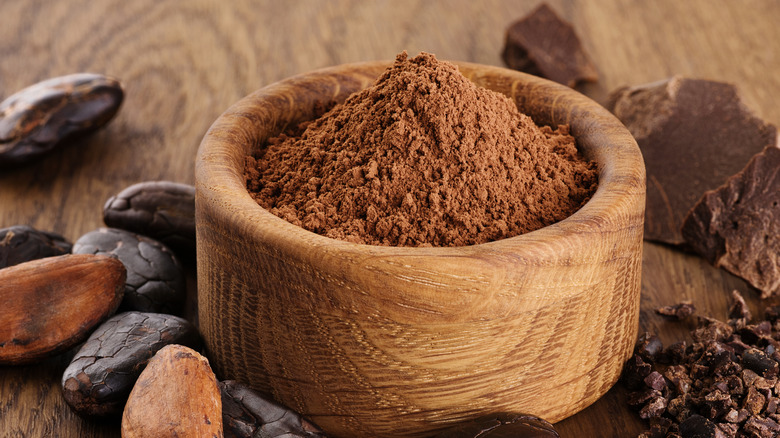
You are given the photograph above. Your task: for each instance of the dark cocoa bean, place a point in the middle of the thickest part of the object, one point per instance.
(49, 305)
(162, 210)
(40, 117)
(247, 414)
(101, 375)
(22, 243)
(155, 278)
(503, 426)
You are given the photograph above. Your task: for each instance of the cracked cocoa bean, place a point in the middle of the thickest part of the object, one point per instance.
(49, 305)
(247, 414)
(101, 375)
(175, 395)
(503, 425)
(22, 243)
(155, 278)
(162, 210)
(38, 118)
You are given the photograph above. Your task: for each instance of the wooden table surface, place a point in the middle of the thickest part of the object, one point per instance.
(183, 63)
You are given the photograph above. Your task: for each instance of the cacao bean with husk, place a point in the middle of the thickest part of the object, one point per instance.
(102, 373)
(176, 395)
(162, 210)
(40, 117)
(22, 243)
(49, 305)
(155, 278)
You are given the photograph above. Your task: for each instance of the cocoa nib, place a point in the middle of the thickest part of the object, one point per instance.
(678, 311)
(725, 383)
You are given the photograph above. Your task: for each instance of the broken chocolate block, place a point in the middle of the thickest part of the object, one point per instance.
(694, 134)
(737, 226)
(543, 44)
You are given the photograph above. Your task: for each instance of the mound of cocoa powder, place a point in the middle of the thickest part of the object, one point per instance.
(424, 157)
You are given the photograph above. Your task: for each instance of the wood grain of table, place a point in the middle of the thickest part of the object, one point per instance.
(183, 63)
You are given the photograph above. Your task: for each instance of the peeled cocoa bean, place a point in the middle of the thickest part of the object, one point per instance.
(49, 305)
(247, 414)
(155, 278)
(162, 210)
(40, 117)
(101, 375)
(176, 395)
(503, 426)
(22, 243)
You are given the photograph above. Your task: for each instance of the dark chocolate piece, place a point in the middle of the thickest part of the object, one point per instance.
(248, 414)
(101, 375)
(162, 210)
(22, 243)
(543, 44)
(502, 425)
(694, 134)
(155, 278)
(737, 226)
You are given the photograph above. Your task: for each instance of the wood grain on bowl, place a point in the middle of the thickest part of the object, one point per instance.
(378, 341)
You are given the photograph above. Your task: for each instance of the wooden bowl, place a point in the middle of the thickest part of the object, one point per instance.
(400, 341)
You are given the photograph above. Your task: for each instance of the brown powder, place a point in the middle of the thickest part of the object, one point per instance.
(423, 157)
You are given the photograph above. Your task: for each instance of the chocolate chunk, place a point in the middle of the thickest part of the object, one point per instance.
(635, 370)
(694, 134)
(247, 414)
(543, 44)
(99, 378)
(737, 225)
(155, 278)
(162, 210)
(502, 425)
(22, 243)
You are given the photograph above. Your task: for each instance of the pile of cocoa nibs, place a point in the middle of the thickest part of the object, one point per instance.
(724, 383)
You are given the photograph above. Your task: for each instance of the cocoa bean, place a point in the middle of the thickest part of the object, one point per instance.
(155, 278)
(162, 210)
(246, 414)
(49, 305)
(22, 243)
(176, 395)
(101, 375)
(503, 425)
(38, 118)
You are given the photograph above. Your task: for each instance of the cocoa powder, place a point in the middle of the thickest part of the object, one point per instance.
(424, 157)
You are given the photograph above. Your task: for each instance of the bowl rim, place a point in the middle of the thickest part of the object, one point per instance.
(222, 185)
